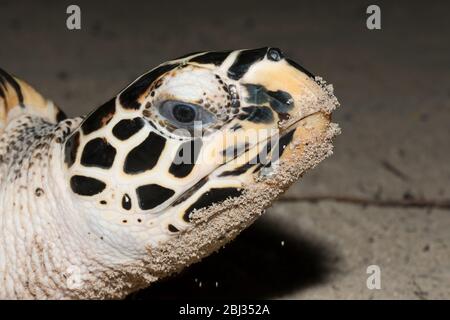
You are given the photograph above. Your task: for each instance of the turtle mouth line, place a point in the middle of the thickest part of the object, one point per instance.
(286, 131)
(283, 132)
(271, 143)
(293, 123)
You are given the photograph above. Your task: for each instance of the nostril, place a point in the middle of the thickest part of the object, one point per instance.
(274, 54)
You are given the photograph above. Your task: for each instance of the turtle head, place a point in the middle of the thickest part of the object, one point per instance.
(192, 137)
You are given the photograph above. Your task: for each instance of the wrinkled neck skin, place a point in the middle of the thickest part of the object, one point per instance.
(48, 249)
(51, 245)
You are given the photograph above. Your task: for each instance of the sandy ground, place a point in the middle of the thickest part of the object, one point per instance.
(394, 87)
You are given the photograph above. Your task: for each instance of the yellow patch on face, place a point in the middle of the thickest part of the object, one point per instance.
(281, 75)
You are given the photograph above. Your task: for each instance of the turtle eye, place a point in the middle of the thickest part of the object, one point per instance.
(185, 115)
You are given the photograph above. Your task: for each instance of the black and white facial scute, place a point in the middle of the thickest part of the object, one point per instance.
(197, 125)
(185, 157)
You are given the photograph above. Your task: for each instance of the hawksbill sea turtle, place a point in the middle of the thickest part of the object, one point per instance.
(155, 179)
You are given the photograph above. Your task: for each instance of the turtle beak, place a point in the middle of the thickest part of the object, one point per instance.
(301, 105)
(289, 89)
(289, 110)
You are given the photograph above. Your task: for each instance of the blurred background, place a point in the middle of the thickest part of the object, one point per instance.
(382, 198)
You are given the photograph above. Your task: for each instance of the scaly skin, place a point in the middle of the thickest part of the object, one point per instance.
(44, 251)
(35, 224)
(67, 231)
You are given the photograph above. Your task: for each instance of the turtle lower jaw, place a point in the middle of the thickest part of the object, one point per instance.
(265, 157)
(294, 138)
(308, 128)
(307, 123)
